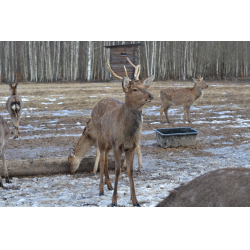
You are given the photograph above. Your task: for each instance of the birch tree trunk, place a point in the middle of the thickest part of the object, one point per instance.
(30, 61)
(76, 60)
(89, 61)
(58, 60)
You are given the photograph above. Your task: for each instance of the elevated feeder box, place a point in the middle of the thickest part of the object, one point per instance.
(176, 137)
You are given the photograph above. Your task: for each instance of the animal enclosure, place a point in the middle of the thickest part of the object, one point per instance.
(53, 120)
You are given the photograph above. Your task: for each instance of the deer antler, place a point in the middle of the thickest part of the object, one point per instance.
(137, 69)
(112, 72)
(126, 72)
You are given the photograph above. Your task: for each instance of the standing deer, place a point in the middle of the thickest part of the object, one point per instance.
(14, 106)
(86, 141)
(227, 187)
(181, 97)
(4, 138)
(119, 127)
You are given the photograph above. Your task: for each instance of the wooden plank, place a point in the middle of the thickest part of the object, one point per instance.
(122, 49)
(58, 165)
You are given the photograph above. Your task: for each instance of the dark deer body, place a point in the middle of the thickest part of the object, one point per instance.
(228, 187)
(4, 138)
(119, 126)
(184, 97)
(14, 106)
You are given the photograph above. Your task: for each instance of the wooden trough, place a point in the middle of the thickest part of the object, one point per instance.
(58, 165)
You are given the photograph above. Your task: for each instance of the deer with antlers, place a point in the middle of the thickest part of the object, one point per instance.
(14, 106)
(4, 138)
(184, 97)
(118, 127)
(86, 141)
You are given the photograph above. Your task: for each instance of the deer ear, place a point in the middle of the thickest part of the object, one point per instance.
(10, 85)
(72, 152)
(16, 85)
(125, 84)
(148, 81)
(194, 80)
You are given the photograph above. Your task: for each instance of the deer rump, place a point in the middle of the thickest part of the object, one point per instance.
(14, 106)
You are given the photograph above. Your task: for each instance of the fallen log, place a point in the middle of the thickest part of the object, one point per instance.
(45, 166)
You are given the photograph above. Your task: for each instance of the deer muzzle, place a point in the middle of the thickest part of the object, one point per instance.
(151, 97)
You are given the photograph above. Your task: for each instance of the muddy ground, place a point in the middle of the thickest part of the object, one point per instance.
(54, 116)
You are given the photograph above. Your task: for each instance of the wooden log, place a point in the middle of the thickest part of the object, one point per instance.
(58, 165)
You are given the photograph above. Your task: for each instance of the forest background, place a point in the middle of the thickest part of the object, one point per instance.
(51, 61)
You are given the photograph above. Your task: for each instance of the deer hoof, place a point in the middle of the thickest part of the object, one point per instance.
(136, 204)
(7, 181)
(138, 171)
(92, 174)
(1, 184)
(114, 205)
(100, 194)
(110, 188)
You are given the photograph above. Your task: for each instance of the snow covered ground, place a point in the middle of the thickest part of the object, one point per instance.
(157, 178)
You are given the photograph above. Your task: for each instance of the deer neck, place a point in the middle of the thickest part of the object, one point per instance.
(132, 118)
(197, 92)
(13, 92)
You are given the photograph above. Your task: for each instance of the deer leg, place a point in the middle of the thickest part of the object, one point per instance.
(16, 129)
(117, 155)
(124, 166)
(1, 181)
(185, 112)
(166, 114)
(107, 179)
(5, 167)
(12, 127)
(130, 158)
(162, 109)
(188, 113)
(102, 162)
(138, 149)
(97, 158)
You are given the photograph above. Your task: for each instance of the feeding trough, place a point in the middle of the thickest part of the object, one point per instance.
(176, 137)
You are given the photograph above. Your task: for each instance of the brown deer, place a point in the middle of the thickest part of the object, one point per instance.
(86, 141)
(184, 97)
(227, 187)
(4, 138)
(119, 127)
(14, 106)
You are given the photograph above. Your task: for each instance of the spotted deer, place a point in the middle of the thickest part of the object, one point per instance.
(14, 106)
(184, 97)
(86, 141)
(118, 127)
(227, 187)
(4, 138)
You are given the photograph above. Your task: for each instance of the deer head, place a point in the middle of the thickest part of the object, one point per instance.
(13, 88)
(199, 82)
(135, 90)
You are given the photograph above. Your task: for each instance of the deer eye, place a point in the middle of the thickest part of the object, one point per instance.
(134, 90)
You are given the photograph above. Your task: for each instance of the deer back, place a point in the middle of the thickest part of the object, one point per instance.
(219, 188)
(14, 103)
